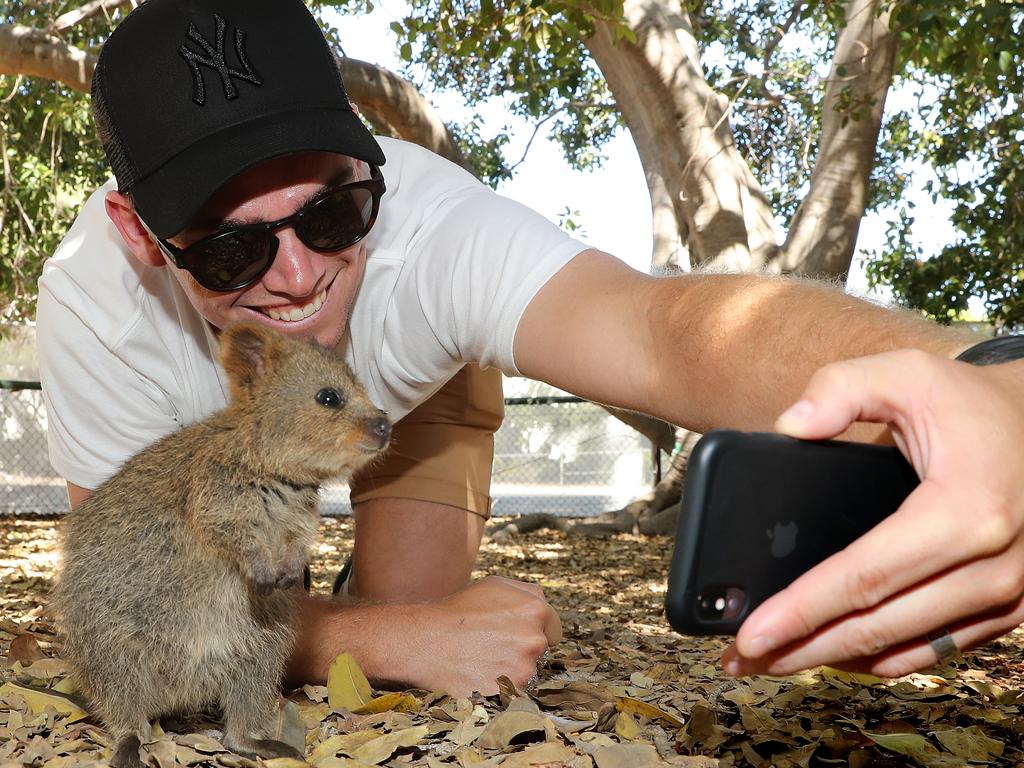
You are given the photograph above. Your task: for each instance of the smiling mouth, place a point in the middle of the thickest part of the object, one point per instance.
(297, 313)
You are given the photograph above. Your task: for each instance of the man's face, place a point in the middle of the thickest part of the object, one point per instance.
(317, 287)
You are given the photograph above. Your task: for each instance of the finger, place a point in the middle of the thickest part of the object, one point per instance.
(552, 627)
(912, 545)
(920, 654)
(908, 616)
(875, 389)
(912, 656)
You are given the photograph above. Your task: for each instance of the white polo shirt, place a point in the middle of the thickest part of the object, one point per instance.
(124, 358)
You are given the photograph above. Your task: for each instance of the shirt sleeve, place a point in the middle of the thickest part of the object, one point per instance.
(100, 412)
(481, 260)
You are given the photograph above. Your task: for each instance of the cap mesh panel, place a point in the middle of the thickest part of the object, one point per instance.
(124, 169)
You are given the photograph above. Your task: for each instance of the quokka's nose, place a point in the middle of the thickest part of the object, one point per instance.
(380, 428)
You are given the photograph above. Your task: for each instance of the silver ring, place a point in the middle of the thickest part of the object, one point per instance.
(943, 645)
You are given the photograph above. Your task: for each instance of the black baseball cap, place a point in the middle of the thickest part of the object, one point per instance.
(189, 93)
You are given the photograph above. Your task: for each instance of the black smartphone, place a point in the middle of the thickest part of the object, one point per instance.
(760, 509)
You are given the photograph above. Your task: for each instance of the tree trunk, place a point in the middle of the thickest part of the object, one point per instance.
(823, 233)
(682, 134)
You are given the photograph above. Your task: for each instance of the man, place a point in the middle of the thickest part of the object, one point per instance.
(248, 188)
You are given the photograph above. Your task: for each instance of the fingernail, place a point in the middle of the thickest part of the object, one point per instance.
(760, 645)
(732, 667)
(795, 415)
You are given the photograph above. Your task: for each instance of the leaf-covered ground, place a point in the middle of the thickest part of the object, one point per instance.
(620, 691)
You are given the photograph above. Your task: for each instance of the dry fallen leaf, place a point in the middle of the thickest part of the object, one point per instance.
(626, 727)
(627, 756)
(969, 743)
(341, 743)
(38, 700)
(397, 701)
(546, 755)
(380, 749)
(642, 708)
(347, 686)
(518, 727)
(24, 648)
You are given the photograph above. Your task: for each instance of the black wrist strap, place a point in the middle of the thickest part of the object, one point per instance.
(1001, 349)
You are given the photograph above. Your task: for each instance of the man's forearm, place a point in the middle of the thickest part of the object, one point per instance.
(738, 349)
(326, 627)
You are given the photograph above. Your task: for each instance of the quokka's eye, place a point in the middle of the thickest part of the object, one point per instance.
(330, 398)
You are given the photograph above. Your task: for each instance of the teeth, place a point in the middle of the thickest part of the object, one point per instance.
(291, 315)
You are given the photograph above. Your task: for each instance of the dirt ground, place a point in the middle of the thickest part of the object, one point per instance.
(620, 691)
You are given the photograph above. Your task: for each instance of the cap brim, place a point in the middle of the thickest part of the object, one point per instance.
(170, 197)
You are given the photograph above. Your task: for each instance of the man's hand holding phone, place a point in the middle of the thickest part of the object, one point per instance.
(949, 560)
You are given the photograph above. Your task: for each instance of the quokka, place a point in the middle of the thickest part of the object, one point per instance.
(176, 588)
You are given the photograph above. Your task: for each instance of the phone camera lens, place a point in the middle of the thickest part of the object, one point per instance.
(721, 604)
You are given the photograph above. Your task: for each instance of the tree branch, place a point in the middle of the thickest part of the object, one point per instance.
(87, 11)
(33, 52)
(823, 232)
(769, 49)
(394, 100)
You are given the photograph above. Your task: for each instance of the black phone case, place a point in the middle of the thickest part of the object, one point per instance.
(744, 494)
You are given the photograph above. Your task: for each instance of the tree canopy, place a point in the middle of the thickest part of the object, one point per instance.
(750, 118)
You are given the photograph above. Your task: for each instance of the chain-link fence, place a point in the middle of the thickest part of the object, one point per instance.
(27, 482)
(560, 455)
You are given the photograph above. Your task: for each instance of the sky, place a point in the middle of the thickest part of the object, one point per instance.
(612, 202)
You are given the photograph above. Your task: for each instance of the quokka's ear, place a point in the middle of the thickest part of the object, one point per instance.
(248, 351)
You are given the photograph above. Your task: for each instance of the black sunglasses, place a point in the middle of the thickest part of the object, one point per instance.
(238, 257)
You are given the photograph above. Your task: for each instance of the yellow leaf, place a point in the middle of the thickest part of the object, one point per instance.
(66, 685)
(342, 742)
(341, 762)
(969, 743)
(642, 708)
(398, 702)
(347, 686)
(912, 745)
(285, 762)
(830, 673)
(381, 748)
(626, 727)
(38, 700)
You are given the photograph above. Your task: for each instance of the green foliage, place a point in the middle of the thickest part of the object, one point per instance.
(769, 60)
(968, 126)
(51, 160)
(529, 53)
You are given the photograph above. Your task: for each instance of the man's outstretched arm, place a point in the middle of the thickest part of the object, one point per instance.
(736, 351)
(702, 350)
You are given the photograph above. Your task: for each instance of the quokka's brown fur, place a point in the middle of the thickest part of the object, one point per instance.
(175, 592)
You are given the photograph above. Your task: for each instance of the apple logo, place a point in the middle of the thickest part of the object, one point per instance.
(783, 538)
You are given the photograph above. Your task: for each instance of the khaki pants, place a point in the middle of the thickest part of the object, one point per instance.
(443, 450)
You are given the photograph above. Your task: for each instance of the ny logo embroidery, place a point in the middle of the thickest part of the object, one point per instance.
(214, 59)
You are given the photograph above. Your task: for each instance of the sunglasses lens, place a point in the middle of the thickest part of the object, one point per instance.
(232, 261)
(338, 220)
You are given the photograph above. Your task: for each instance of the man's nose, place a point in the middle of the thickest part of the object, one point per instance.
(296, 270)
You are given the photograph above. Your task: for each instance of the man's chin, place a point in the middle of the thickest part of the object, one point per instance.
(327, 332)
